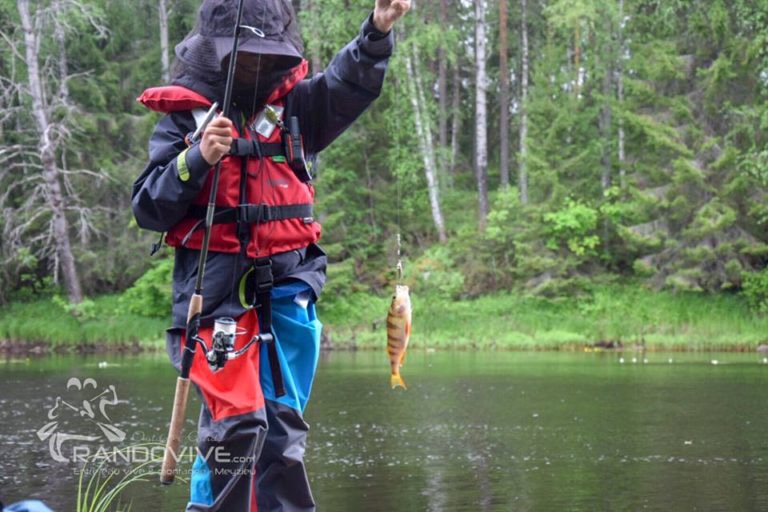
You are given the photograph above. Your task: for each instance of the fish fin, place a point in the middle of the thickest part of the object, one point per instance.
(397, 380)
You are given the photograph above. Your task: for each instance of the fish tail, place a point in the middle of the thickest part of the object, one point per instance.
(396, 380)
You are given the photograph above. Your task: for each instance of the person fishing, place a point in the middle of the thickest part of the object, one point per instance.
(257, 328)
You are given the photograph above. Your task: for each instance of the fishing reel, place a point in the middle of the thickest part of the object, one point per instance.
(223, 343)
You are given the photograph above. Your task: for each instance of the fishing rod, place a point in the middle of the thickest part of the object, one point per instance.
(173, 442)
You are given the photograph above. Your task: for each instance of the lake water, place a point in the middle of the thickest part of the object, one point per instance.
(479, 431)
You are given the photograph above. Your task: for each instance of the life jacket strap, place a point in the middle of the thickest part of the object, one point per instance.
(264, 282)
(253, 148)
(256, 213)
(249, 214)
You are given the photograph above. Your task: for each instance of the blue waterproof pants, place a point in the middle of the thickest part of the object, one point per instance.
(262, 467)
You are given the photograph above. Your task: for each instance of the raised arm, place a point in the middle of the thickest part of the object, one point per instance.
(329, 102)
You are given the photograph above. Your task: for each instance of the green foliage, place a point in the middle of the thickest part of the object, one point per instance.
(573, 227)
(343, 304)
(84, 310)
(437, 273)
(503, 214)
(26, 277)
(688, 210)
(150, 296)
(626, 313)
(105, 323)
(756, 290)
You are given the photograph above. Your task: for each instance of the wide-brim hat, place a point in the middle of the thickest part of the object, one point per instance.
(271, 28)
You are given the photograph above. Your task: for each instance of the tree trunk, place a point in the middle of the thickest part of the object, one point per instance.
(620, 95)
(426, 146)
(577, 57)
(164, 57)
(371, 188)
(605, 121)
(455, 117)
(51, 177)
(503, 95)
(58, 34)
(314, 39)
(442, 89)
(481, 113)
(523, 173)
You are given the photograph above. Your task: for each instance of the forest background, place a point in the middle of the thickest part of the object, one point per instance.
(561, 172)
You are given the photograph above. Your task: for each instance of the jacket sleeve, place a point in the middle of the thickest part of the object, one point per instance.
(172, 179)
(328, 103)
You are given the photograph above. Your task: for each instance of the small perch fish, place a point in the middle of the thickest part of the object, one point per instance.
(398, 332)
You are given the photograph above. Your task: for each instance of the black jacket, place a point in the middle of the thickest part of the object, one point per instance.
(326, 105)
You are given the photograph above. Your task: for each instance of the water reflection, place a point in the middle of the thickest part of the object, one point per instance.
(474, 431)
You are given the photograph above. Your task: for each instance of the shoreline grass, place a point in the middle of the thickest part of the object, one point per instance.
(100, 323)
(626, 314)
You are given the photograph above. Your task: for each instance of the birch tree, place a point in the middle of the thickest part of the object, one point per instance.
(620, 95)
(442, 89)
(481, 112)
(605, 120)
(310, 15)
(503, 95)
(60, 38)
(455, 116)
(52, 183)
(40, 192)
(424, 134)
(162, 8)
(522, 176)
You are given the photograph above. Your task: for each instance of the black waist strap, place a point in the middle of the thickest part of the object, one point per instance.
(243, 147)
(264, 282)
(256, 213)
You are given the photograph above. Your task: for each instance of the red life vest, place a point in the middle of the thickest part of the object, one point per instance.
(272, 189)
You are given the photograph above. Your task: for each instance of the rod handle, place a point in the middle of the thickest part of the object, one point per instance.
(195, 306)
(171, 455)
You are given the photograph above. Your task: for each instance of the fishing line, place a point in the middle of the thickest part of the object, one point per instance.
(236, 270)
(259, 174)
(398, 202)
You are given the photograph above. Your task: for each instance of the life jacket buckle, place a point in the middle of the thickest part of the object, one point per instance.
(245, 147)
(263, 277)
(253, 213)
(294, 150)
